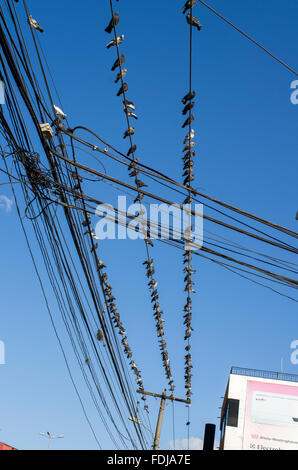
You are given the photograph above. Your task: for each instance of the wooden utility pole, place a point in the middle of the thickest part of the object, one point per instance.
(163, 398)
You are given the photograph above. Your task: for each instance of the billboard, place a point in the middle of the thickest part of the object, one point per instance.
(271, 416)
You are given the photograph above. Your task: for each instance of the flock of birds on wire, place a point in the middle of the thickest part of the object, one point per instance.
(188, 167)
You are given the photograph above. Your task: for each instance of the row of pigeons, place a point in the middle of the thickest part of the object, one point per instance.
(118, 324)
(188, 175)
(188, 271)
(112, 308)
(149, 264)
(134, 171)
(129, 106)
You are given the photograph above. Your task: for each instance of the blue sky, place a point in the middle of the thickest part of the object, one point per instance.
(246, 132)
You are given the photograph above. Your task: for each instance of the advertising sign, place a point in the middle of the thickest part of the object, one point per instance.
(271, 417)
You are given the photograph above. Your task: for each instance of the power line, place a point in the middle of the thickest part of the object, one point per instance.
(249, 38)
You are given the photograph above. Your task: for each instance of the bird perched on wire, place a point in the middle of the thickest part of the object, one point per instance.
(189, 146)
(188, 121)
(118, 62)
(188, 5)
(34, 24)
(139, 183)
(189, 136)
(129, 132)
(131, 150)
(120, 75)
(193, 21)
(59, 113)
(129, 104)
(114, 21)
(188, 107)
(189, 155)
(190, 96)
(133, 164)
(130, 113)
(115, 42)
(123, 89)
(99, 335)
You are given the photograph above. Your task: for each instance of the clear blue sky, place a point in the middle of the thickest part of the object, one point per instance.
(246, 131)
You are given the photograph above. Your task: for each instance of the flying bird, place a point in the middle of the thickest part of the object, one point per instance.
(115, 42)
(120, 75)
(194, 22)
(123, 89)
(188, 5)
(34, 24)
(114, 21)
(118, 62)
(190, 96)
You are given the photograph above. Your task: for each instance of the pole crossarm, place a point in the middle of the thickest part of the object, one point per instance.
(171, 397)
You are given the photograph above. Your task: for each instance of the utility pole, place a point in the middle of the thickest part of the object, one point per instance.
(163, 398)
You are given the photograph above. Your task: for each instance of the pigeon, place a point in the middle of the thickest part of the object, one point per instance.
(190, 96)
(148, 241)
(114, 21)
(139, 198)
(188, 121)
(129, 113)
(188, 107)
(194, 22)
(33, 23)
(99, 335)
(129, 104)
(188, 164)
(187, 172)
(188, 180)
(115, 42)
(118, 62)
(189, 155)
(101, 264)
(59, 113)
(189, 136)
(132, 150)
(189, 146)
(134, 172)
(188, 5)
(123, 89)
(133, 164)
(120, 75)
(139, 183)
(129, 132)
(94, 247)
(188, 200)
